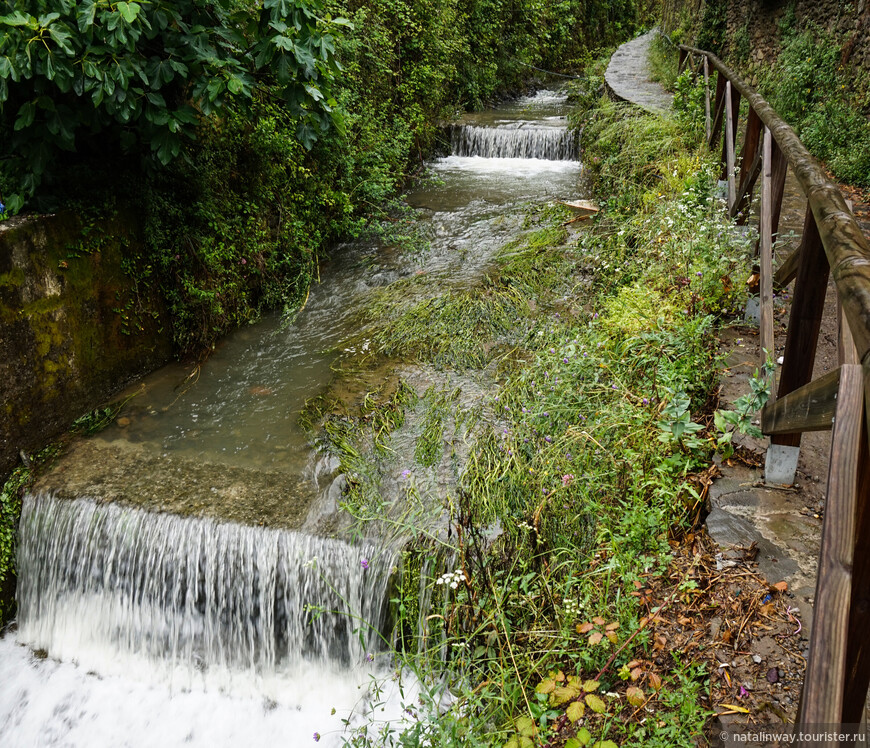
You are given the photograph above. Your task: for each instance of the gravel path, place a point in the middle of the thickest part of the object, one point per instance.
(627, 76)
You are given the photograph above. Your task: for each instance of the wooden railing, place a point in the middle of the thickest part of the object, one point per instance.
(838, 669)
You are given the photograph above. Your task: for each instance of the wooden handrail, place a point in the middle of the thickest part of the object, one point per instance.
(832, 243)
(846, 246)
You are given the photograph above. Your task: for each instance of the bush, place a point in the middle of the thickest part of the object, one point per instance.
(91, 77)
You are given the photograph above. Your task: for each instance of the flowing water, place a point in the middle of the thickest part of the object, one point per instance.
(170, 591)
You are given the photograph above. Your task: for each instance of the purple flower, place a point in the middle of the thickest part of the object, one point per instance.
(370, 657)
(548, 439)
(646, 401)
(552, 350)
(364, 563)
(316, 737)
(406, 474)
(565, 360)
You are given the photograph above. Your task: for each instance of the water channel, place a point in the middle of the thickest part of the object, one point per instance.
(172, 587)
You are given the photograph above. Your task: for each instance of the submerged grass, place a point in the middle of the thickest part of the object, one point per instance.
(576, 472)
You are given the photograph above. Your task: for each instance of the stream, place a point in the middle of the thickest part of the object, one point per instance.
(172, 587)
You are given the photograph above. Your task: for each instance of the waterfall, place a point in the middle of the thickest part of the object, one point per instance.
(514, 140)
(192, 594)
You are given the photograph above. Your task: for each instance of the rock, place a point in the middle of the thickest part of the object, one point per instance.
(772, 675)
(123, 422)
(756, 659)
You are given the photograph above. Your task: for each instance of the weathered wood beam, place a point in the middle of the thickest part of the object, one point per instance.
(750, 164)
(857, 641)
(810, 408)
(707, 122)
(786, 272)
(730, 133)
(719, 108)
(805, 317)
(766, 339)
(823, 695)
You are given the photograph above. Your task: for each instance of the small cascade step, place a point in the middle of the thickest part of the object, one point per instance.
(517, 140)
(194, 593)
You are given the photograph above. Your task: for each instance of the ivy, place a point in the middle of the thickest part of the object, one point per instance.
(141, 76)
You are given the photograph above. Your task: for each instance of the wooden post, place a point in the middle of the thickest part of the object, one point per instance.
(730, 132)
(707, 122)
(858, 643)
(805, 319)
(719, 108)
(732, 103)
(683, 56)
(826, 670)
(750, 161)
(766, 300)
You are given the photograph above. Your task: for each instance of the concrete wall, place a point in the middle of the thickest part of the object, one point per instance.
(74, 326)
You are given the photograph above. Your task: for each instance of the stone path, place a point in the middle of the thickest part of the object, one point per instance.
(627, 76)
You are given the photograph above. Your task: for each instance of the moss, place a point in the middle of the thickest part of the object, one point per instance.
(12, 279)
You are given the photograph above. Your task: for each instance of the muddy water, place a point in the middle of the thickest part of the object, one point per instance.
(166, 616)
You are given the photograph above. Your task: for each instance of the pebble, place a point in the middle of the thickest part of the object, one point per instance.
(772, 675)
(756, 659)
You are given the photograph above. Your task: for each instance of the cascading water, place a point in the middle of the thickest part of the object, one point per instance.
(141, 627)
(514, 140)
(194, 595)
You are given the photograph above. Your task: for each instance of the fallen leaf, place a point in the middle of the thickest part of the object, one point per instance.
(599, 620)
(781, 586)
(741, 709)
(591, 685)
(633, 664)
(612, 626)
(613, 636)
(585, 628)
(595, 637)
(635, 696)
(655, 681)
(636, 673)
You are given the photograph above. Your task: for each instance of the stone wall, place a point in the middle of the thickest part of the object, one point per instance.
(752, 28)
(74, 326)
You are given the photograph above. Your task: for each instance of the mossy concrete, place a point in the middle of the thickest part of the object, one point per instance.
(75, 326)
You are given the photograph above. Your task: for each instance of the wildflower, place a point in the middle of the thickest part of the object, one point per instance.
(370, 657)
(316, 737)
(244, 261)
(552, 350)
(566, 479)
(565, 360)
(406, 474)
(646, 401)
(548, 439)
(364, 563)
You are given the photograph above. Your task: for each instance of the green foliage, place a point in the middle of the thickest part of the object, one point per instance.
(102, 76)
(823, 102)
(711, 34)
(664, 61)
(237, 230)
(11, 494)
